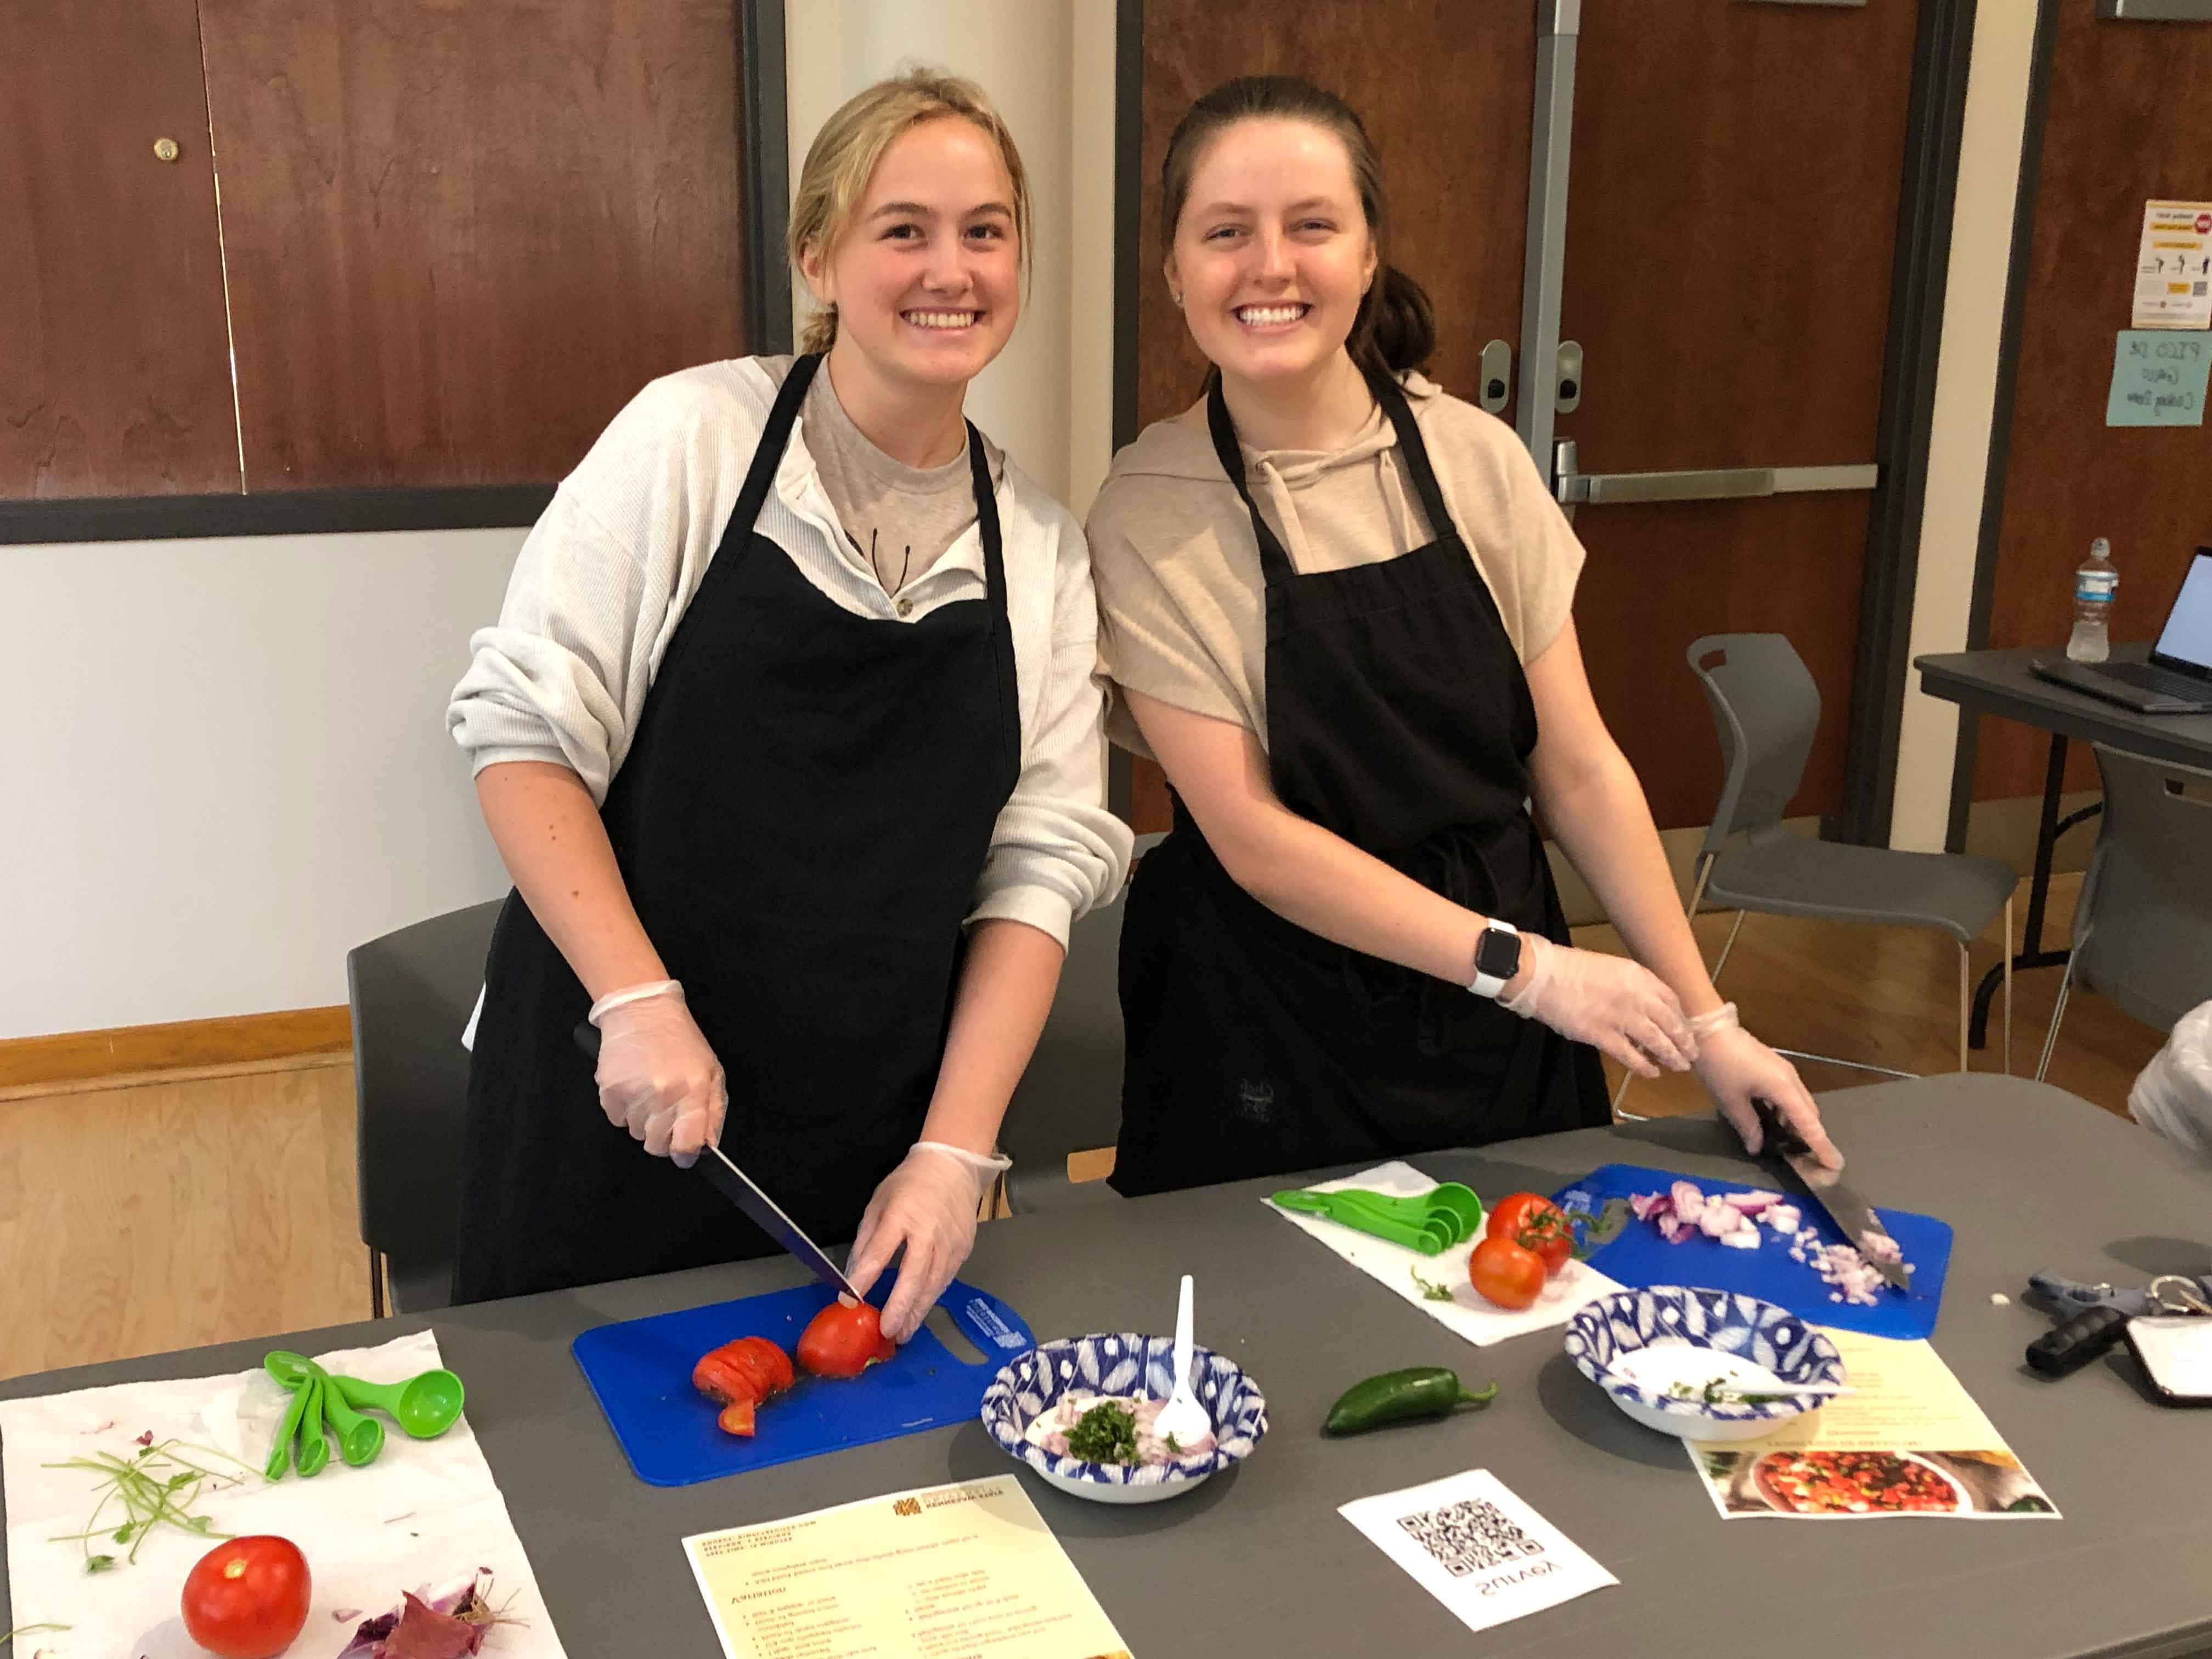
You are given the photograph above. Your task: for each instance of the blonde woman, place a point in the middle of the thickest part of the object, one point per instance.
(789, 737)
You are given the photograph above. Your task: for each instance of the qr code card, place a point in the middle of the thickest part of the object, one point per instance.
(1477, 1548)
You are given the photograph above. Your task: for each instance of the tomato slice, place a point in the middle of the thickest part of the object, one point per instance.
(247, 1598)
(844, 1341)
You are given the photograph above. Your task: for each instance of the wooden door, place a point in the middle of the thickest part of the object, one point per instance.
(460, 237)
(2130, 105)
(114, 364)
(1732, 213)
(1447, 91)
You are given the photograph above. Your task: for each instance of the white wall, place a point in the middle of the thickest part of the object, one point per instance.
(1965, 393)
(226, 764)
(1048, 66)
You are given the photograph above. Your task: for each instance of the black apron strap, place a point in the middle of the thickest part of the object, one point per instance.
(1275, 564)
(995, 582)
(1392, 396)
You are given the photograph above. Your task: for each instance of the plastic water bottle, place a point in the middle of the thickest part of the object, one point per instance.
(2096, 585)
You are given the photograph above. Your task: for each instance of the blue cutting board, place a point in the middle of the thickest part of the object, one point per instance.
(1640, 1257)
(641, 1372)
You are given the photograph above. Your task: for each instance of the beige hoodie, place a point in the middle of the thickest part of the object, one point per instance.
(1181, 601)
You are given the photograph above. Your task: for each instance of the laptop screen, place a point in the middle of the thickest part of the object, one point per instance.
(2188, 635)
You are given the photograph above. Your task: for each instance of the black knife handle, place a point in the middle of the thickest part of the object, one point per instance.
(2073, 1344)
(587, 1037)
(1778, 1138)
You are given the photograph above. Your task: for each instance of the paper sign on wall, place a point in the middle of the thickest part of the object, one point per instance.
(2157, 378)
(2173, 268)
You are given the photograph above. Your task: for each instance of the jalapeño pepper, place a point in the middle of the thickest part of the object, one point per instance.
(1423, 1392)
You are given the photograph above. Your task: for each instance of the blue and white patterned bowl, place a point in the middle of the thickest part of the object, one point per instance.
(1122, 1363)
(1602, 1332)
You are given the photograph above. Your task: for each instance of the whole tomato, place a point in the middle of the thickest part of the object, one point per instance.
(247, 1599)
(1505, 1274)
(1534, 1222)
(844, 1341)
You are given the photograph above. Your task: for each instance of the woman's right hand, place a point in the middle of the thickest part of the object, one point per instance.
(658, 1078)
(1616, 1005)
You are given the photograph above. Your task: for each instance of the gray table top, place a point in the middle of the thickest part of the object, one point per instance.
(1998, 683)
(1258, 1562)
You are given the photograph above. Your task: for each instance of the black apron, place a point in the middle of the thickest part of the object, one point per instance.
(1398, 717)
(800, 821)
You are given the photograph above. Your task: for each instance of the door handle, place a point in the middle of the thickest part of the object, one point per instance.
(1576, 488)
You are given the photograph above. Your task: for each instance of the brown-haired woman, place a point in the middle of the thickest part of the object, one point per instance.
(1336, 605)
(788, 736)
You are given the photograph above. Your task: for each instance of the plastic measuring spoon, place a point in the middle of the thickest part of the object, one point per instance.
(280, 1455)
(314, 1448)
(359, 1438)
(1447, 1215)
(425, 1406)
(286, 1367)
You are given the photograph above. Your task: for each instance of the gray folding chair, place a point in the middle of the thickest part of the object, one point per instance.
(411, 992)
(1069, 1100)
(2142, 927)
(1766, 708)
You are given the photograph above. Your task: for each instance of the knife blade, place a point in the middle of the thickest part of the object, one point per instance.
(1785, 1146)
(742, 1190)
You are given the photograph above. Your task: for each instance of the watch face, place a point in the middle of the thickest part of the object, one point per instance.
(1497, 955)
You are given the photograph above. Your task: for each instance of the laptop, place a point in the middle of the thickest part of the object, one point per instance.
(2178, 678)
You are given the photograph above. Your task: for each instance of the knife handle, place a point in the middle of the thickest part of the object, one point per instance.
(587, 1037)
(1778, 1138)
(2073, 1344)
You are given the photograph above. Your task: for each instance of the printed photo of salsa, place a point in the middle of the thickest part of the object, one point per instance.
(1853, 1483)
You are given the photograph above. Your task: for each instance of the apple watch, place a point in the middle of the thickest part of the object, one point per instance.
(1497, 958)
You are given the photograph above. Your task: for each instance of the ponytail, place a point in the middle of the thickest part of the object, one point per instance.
(1396, 328)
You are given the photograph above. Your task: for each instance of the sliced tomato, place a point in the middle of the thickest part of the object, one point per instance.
(844, 1341)
(1506, 1274)
(736, 1418)
(247, 1598)
(743, 1373)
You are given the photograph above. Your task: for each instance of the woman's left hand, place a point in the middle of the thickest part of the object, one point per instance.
(926, 1206)
(1736, 1068)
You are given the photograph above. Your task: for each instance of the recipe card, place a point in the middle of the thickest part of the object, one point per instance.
(1477, 1548)
(1907, 1440)
(965, 1569)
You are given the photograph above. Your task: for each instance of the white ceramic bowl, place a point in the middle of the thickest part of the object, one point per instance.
(1722, 1321)
(1121, 1363)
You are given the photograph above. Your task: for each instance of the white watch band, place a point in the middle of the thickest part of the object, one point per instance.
(1489, 985)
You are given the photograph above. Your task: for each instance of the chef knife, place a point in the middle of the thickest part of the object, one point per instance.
(1862, 1226)
(742, 1190)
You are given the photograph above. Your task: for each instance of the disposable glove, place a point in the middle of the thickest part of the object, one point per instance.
(1618, 1006)
(926, 1206)
(1736, 1068)
(657, 1078)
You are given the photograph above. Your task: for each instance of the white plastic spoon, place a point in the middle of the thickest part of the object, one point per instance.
(1183, 1419)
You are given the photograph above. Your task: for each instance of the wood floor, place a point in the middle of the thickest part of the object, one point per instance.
(165, 1214)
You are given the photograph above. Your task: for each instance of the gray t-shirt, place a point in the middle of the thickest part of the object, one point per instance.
(897, 519)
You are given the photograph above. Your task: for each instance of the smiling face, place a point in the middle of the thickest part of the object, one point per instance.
(925, 275)
(1272, 251)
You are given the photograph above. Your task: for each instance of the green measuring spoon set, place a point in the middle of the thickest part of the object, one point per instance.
(1446, 1215)
(424, 1406)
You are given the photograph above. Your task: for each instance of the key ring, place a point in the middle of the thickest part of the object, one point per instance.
(2183, 1298)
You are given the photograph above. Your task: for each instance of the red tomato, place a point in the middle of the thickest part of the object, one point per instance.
(844, 1341)
(1505, 1274)
(1534, 1222)
(742, 1373)
(247, 1599)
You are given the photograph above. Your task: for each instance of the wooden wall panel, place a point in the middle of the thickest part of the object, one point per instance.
(2129, 107)
(1730, 229)
(461, 235)
(1445, 89)
(114, 374)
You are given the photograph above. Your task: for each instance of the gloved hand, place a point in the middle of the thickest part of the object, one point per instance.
(927, 1206)
(1615, 1005)
(657, 1076)
(1735, 1066)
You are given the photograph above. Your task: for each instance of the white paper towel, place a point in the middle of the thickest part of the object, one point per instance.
(1479, 1322)
(425, 1512)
